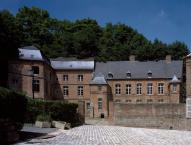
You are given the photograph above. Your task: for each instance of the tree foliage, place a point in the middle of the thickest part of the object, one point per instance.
(81, 38)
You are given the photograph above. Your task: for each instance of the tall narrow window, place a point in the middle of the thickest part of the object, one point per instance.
(65, 77)
(128, 89)
(36, 85)
(35, 70)
(80, 78)
(65, 90)
(139, 89)
(80, 91)
(149, 88)
(99, 103)
(174, 87)
(117, 89)
(160, 88)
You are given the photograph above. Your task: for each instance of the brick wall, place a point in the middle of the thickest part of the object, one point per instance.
(151, 115)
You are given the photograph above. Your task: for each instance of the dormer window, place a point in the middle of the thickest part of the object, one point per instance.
(110, 75)
(128, 74)
(149, 74)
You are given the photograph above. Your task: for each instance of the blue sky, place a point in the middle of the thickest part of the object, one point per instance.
(167, 20)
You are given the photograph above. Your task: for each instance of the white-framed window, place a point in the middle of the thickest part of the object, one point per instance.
(100, 105)
(65, 90)
(80, 78)
(149, 89)
(128, 89)
(117, 89)
(174, 87)
(80, 90)
(139, 89)
(160, 88)
(65, 77)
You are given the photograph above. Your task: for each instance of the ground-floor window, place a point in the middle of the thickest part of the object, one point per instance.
(36, 85)
(100, 105)
(65, 90)
(88, 106)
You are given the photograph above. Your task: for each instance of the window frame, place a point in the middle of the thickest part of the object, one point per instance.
(160, 89)
(80, 90)
(117, 89)
(80, 78)
(128, 89)
(65, 90)
(149, 88)
(139, 88)
(65, 77)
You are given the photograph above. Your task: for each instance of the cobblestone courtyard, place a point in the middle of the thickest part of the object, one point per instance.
(114, 135)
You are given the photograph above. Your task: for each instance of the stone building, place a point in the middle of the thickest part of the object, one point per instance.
(98, 84)
(33, 74)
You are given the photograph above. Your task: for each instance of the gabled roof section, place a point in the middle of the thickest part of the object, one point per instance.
(139, 70)
(32, 53)
(72, 65)
(98, 80)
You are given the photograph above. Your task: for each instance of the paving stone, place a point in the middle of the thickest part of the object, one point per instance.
(115, 135)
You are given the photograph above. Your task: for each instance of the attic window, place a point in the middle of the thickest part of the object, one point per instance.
(110, 75)
(128, 74)
(32, 56)
(149, 74)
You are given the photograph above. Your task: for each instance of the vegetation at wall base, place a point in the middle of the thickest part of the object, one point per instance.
(57, 110)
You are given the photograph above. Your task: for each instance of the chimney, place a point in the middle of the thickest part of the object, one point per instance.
(168, 59)
(132, 58)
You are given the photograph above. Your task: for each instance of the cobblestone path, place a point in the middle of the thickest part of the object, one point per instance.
(115, 135)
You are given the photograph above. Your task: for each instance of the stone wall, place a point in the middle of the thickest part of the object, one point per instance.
(162, 116)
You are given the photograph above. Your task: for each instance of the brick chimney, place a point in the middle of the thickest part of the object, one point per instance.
(168, 59)
(132, 58)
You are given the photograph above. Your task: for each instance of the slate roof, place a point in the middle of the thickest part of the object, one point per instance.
(72, 65)
(98, 80)
(32, 53)
(139, 70)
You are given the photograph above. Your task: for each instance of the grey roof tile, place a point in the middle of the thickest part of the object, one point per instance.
(98, 80)
(139, 70)
(73, 65)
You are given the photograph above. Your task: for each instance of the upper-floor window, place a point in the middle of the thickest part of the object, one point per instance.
(99, 88)
(128, 89)
(80, 91)
(80, 78)
(174, 87)
(35, 70)
(139, 89)
(36, 85)
(117, 89)
(160, 88)
(65, 77)
(65, 90)
(149, 88)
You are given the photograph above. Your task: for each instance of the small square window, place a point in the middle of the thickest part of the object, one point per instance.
(65, 77)
(80, 78)
(35, 70)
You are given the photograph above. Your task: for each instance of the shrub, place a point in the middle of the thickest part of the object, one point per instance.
(12, 111)
(12, 106)
(43, 117)
(58, 110)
